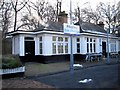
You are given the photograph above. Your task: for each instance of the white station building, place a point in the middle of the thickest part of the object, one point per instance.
(49, 43)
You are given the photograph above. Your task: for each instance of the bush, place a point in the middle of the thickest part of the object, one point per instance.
(10, 61)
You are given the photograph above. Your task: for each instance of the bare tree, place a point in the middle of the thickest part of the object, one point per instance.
(117, 20)
(87, 14)
(5, 16)
(109, 13)
(43, 12)
(17, 7)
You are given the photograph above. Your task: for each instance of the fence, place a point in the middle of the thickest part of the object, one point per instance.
(10, 71)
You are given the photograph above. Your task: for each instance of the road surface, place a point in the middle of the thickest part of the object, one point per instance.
(104, 76)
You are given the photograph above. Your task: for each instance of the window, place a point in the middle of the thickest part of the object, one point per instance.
(112, 45)
(59, 45)
(94, 47)
(78, 45)
(87, 39)
(90, 39)
(91, 46)
(54, 48)
(40, 45)
(60, 38)
(66, 47)
(87, 47)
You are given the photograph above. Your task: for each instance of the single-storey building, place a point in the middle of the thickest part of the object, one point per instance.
(49, 43)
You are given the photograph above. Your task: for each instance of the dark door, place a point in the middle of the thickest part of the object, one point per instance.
(29, 48)
(104, 48)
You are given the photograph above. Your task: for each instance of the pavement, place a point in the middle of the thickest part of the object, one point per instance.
(38, 69)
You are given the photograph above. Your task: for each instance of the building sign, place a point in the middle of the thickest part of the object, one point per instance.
(71, 29)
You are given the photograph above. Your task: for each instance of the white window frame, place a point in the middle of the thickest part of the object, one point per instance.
(113, 46)
(40, 42)
(91, 41)
(63, 43)
(78, 42)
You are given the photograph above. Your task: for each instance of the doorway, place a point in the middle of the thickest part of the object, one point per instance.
(29, 48)
(104, 48)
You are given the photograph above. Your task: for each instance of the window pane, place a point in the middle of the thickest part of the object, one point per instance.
(78, 47)
(40, 45)
(94, 48)
(78, 39)
(60, 38)
(87, 39)
(40, 51)
(90, 47)
(87, 47)
(66, 48)
(78, 50)
(40, 39)
(54, 38)
(40, 48)
(90, 39)
(54, 48)
(61, 48)
(66, 39)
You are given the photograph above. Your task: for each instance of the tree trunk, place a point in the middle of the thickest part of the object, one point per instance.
(15, 23)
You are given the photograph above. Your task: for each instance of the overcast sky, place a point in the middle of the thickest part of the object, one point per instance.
(81, 3)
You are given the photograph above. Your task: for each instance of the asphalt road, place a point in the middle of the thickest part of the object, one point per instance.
(105, 76)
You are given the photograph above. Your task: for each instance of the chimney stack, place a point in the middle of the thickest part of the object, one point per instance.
(62, 17)
(101, 24)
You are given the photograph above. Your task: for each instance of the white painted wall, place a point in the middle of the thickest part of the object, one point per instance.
(97, 45)
(22, 46)
(19, 48)
(15, 45)
(47, 44)
(83, 45)
(36, 45)
(74, 45)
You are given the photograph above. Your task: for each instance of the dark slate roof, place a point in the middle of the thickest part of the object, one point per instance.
(88, 27)
(51, 26)
(58, 27)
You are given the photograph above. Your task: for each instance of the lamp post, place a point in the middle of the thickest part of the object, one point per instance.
(71, 43)
(108, 59)
(108, 30)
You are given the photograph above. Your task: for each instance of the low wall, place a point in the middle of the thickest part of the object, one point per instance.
(52, 58)
(15, 72)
